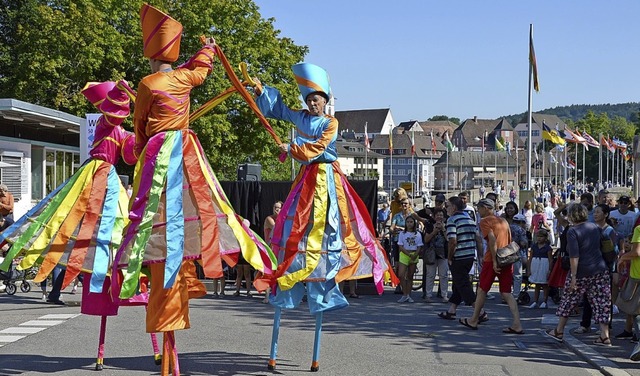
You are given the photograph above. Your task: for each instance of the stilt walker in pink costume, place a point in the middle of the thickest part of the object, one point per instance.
(79, 224)
(178, 211)
(323, 234)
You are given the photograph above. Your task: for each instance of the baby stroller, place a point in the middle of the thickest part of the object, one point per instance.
(523, 297)
(10, 277)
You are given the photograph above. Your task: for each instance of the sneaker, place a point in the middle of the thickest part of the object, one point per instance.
(533, 305)
(490, 296)
(74, 290)
(409, 300)
(624, 334)
(403, 299)
(445, 300)
(635, 354)
(615, 309)
(214, 295)
(427, 299)
(543, 305)
(44, 296)
(56, 302)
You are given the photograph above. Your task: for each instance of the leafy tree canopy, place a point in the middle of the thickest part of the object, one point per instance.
(50, 49)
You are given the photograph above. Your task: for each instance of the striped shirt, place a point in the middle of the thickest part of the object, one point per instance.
(464, 229)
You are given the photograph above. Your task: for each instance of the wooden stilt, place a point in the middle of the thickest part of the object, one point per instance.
(274, 339)
(315, 362)
(103, 330)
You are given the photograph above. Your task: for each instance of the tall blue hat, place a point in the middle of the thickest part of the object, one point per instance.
(312, 79)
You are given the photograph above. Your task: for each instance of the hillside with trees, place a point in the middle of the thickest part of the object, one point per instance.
(576, 112)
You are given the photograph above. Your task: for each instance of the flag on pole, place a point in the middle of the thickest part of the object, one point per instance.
(619, 144)
(391, 140)
(433, 142)
(367, 144)
(447, 142)
(535, 151)
(590, 140)
(604, 142)
(499, 146)
(413, 143)
(551, 135)
(575, 137)
(571, 164)
(611, 147)
(507, 144)
(532, 61)
(627, 155)
(552, 158)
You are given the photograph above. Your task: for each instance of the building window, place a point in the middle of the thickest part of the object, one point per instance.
(535, 133)
(59, 166)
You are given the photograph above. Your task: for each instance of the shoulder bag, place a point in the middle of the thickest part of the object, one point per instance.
(508, 255)
(629, 297)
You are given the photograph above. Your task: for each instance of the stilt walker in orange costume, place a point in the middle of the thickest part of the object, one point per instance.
(178, 211)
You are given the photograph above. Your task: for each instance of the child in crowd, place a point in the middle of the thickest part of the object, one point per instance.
(539, 267)
(410, 245)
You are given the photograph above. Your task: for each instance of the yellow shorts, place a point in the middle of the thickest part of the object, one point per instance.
(406, 260)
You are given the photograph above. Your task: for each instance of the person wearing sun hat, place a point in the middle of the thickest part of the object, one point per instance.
(323, 234)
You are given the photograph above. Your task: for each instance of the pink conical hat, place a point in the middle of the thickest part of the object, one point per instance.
(96, 92)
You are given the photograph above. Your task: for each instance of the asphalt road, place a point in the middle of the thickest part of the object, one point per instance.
(231, 336)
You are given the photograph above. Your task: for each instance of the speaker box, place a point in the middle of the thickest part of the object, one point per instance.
(249, 172)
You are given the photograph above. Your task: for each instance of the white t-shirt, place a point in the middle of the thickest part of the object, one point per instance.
(410, 240)
(625, 222)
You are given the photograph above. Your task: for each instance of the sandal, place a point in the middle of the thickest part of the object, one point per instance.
(602, 341)
(447, 315)
(483, 318)
(555, 335)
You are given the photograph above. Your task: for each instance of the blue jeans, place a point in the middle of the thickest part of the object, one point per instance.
(57, 277)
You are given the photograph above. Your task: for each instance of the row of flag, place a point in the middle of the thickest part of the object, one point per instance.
(445, 140)
(559, 137)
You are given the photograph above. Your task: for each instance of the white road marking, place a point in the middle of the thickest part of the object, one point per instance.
(21, 330)
(16, 333)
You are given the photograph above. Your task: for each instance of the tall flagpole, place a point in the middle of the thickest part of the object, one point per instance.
(584, 152)
(530, 105)
(600, 160)
(575, 172)
(413, 154)
(366, 152)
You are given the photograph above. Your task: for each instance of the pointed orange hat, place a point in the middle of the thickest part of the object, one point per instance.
(161, 34)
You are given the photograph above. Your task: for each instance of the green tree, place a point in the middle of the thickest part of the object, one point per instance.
(454, 120)
(50, 49)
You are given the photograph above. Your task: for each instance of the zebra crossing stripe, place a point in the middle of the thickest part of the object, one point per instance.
(16, 333)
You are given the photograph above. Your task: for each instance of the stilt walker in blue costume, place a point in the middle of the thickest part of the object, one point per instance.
(323, 234)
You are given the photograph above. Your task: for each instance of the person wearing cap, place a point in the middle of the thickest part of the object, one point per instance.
(496, 232)
(326, 235)
(6, 206)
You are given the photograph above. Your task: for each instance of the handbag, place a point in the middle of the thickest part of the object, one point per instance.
(629, 297)
(607, 248)
(430, 256)
(508, 255)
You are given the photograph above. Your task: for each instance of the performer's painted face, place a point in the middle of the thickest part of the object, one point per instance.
(316, 103)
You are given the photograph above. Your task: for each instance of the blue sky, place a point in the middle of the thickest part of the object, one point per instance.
(422, 58)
